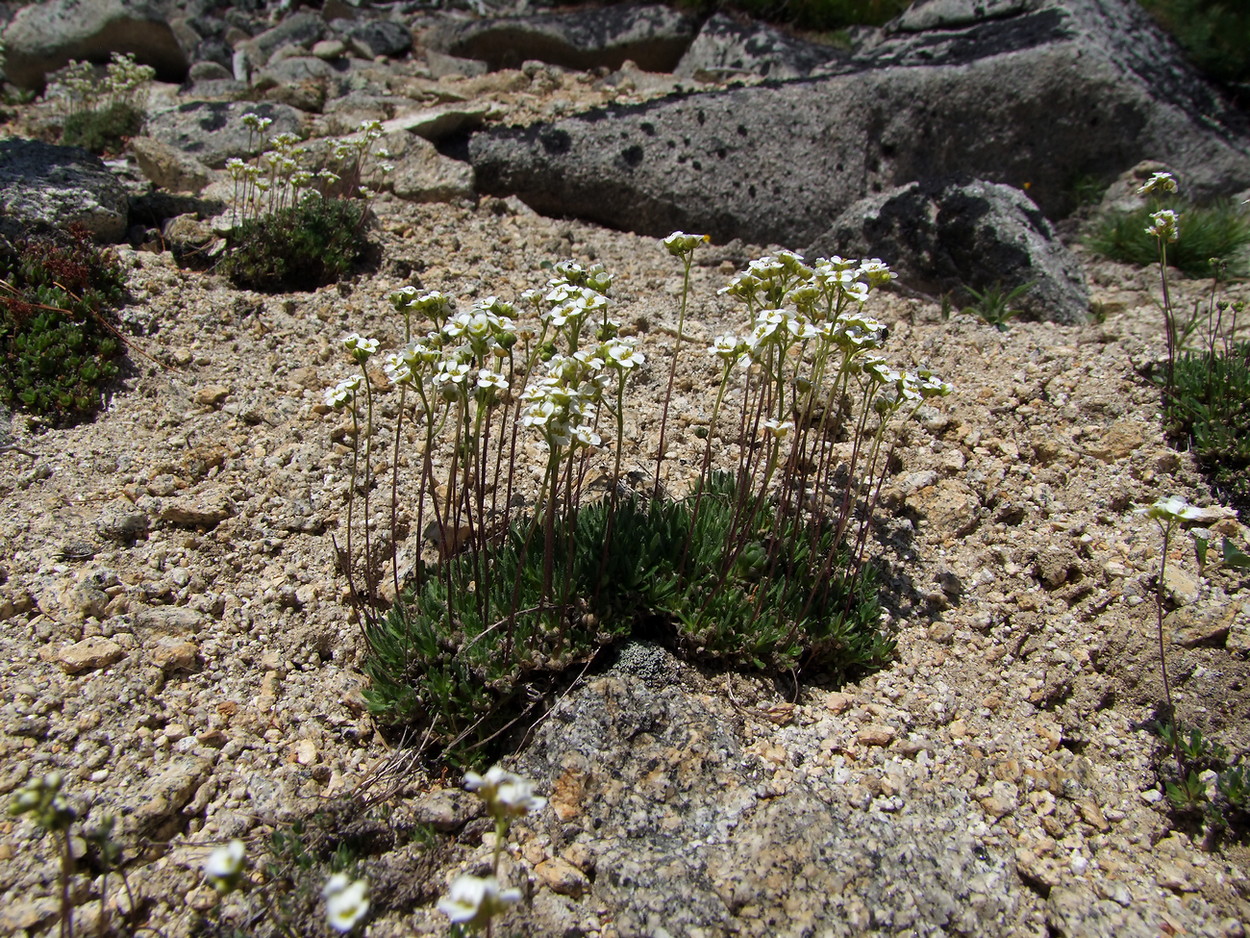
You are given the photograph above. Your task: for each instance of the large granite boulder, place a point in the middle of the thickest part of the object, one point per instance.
(945, 237)
(1057, 91)
(46, 186)
(43, 37)
(653, 37)
(727, 47)
(213, 131)
(691, 837)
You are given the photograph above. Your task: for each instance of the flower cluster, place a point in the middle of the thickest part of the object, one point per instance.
(473, 901)
(42, 799)
(1164, 225)
(813, 314)
(346, 900)
(1158, 182)
(124, 82)
(281, 175)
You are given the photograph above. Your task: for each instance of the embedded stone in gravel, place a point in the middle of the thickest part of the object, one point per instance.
(1194, 627)
(562, 877)
(950, 507)
(169, 620)
(173, 655)
(876, 734)
(212, 395)
(89, 655)
(197, 511)
(656, 783)
(1119, 442)
(164, 796)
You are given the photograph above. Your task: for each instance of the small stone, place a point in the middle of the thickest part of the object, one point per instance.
(1120, 441)
(89, 655)
(212, 395)
(169, 620)
(876, 734)
(304, 752)
(562, 877)
(122, 523)
(838, 702)
(1003, 799)
(27, 915)
(1170, 876)
(444, 810)
(201, 511)
(329, 49)
(1195, 627)
(1180, 587)
(173, 655)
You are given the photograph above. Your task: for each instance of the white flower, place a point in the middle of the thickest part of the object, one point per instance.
(224, 866)
(727, 346)
(680, 244)
(1159, 182)
(778, 429)
(347, 902)
(1172, 508)
(1165, 225)
(474, 901)
(506, 794)
(341, 394)
(621, 353)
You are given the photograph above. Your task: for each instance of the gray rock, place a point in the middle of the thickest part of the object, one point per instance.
(947, 14)
(653, 781)
(42, 185)
(299, 29)
(209, 71)
(948, 237)
(44, 37)
(442, 65)
(423, 174)
(1043, 98)
(213, 131)
(380, 37)
(122, 523)
(168, 167)
(653, 37)
(726, 47)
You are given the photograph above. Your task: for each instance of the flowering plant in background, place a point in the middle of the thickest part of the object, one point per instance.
(224, 867)
(347, 902)
(541, 550)
(298, 219)
(473, 902)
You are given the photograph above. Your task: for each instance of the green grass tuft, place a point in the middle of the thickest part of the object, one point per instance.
(58, 346)
(1220, 231)
(1210, 411)
(437, 663)
(103, 130)
(302, 247)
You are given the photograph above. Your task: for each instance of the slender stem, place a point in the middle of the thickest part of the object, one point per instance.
(67, 870)
(688, 259)
(1163, 664)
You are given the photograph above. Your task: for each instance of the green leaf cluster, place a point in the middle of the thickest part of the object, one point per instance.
(1220, 232)
(1210, 409)
(452, 660)
(57, 343)
(301, 247)
(103, 130)
(1227, 809)
(1213, 34)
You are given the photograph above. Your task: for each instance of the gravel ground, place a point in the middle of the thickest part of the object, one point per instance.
(176, 639)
